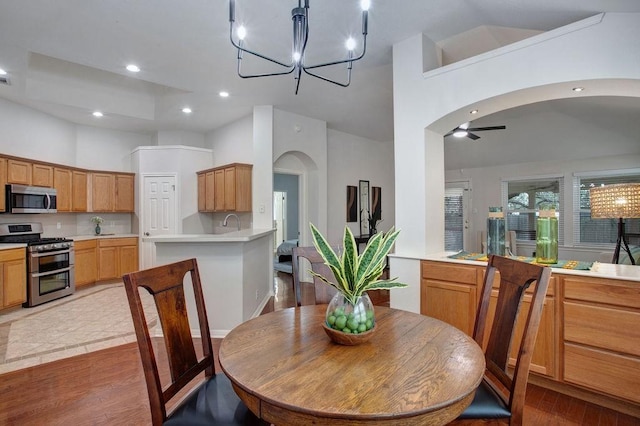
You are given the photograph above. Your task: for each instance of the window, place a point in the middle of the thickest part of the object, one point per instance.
(524, 198)
(599, 231)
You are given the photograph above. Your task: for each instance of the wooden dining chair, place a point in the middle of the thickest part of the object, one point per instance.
(212, 402)
(322, 291)
(501, 394)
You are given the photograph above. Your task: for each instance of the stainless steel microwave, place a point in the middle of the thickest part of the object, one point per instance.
(30, 199)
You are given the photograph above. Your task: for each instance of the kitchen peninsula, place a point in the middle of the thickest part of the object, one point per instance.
(235, 270)
(587, 344)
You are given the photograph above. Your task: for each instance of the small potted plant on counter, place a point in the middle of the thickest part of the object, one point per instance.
(97, 220)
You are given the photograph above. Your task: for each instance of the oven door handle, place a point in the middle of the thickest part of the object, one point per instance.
(50, 253)
(57, 271)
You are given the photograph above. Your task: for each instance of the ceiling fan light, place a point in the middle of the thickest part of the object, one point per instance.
(460, 133)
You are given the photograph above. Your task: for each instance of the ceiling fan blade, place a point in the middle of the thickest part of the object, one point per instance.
(473, 136)
(480, 129)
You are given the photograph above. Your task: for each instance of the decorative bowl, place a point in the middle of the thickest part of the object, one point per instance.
(348, 339)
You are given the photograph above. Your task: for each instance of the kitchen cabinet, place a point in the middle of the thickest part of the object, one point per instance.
(79, 191)
(116, 257)
(225, 189)
(86, 262)
(124, 190)
(448, 292)
(42, 175)
(62, 182)
(3, 182)
(13, 274)
(18, 172)
(112, 192)
(202, 196)
(601, 335)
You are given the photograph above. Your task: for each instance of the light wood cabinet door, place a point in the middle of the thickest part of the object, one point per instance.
(128, 259)
(202, 192)
(79, 191)
(219, 195)
(452, 303)
(62, 182)
(14, 277)
(41, 175)
(243, 188)
(3, 182)
(86, 263)
(108, 263)
(124, 190)
(210, 190)
(230, 189)
(18, 172)
(102, 192)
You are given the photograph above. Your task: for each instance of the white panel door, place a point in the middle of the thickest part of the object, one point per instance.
(158, 212)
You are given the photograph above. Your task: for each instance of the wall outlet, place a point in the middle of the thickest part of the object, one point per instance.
(257, 294)
(58, 225)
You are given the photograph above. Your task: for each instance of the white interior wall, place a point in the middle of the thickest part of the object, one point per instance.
(232, 143)
(106, 149)
(179, 137)
(351, 159)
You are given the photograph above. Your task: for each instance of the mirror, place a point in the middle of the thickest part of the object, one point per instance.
(364, 207)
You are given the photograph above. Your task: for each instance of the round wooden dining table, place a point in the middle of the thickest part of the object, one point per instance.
(415, 370)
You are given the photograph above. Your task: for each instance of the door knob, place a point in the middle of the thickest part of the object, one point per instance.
(147, 234)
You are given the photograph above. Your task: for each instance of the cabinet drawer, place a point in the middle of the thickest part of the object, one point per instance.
(602, 326)
(453, 272)
(613, 292)
(84, 245)
(602, 371)
(117, 242)
(12, 254)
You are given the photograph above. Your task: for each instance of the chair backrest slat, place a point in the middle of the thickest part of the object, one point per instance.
(166, 285)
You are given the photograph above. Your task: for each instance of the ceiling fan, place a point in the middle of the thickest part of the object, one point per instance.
(464, 130)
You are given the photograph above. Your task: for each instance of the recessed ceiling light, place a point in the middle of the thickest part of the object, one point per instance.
(473, 111)
(578, 89)
(187, 110)
(97, 114)
(133, 68)
(224, 94)
(2, 72)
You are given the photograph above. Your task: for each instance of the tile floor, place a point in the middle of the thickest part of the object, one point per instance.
(91, 319)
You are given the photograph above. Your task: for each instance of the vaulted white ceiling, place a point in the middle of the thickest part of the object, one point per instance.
(68, 57)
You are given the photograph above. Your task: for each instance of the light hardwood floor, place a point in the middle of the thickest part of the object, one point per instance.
(107, 387)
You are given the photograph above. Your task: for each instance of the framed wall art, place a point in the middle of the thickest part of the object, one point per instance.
(352, 203)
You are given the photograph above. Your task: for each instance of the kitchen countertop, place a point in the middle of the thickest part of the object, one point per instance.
(244, 235)
(9, 246)
(101, 236)
(599, 270)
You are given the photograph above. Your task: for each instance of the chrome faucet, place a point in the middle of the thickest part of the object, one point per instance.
(227, 218)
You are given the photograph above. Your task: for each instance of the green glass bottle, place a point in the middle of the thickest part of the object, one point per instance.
(547, 236)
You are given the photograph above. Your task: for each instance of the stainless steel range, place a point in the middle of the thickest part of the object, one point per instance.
(50, 262)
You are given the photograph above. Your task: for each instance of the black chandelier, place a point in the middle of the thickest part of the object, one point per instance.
(300, 18)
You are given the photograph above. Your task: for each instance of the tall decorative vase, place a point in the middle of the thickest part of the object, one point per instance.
(98, 230)
(547, 236)
(495, 232)
(347, 323)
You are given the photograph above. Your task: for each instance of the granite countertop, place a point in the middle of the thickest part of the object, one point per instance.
(598, 269)
(244, 235)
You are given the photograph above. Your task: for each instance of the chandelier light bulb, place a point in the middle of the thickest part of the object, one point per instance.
(350, 44)
(2, 72)
(365, 4)
(296, 56)
(242, 32)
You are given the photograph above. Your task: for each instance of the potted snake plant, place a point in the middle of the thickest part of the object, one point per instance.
(350, 316)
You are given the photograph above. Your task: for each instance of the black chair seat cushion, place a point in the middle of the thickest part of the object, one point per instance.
(214, 403)
(486, 404)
